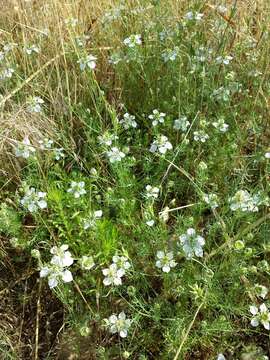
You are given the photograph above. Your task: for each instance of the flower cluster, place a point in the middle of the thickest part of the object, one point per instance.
(57, 269)
(34, 200)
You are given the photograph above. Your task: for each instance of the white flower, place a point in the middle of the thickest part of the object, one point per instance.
(45, 144)
(192, 243)
(170, 54)
(34, 200)
(31, 49)
(113, 275)
(115, 155)
(133, 40)
(220, 125)
(56, 270)
(24, 149)
(118, 324)
(260, 290)
(61, 256)
(54, 274)
(77, 188)
(151, 192)
(107, 139)
(165, 261)
(261, 315)
(6, 73)
(190, 15)
(121, 262)
(90, 222)
(181, 124)
(211, 199)
(224, 60)
(201, 136)
(157, 117)
(87, 61)
(87, 262)
(243, 201)
(34, 104)
(267, 155)
(128, 121)
(58, 154)
(161, 144)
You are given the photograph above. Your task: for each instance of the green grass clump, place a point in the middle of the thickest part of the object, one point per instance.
(138, 191)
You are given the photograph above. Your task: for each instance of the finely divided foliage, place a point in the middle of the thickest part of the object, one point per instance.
(144, 210)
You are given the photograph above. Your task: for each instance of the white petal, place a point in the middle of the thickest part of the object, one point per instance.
(67, 276)
(107, 281)
(44, 272)
(254, 322)
(263, 308)
(122, 315)
(123, 333)
(166, 269)
(253, 309)
(52, 282)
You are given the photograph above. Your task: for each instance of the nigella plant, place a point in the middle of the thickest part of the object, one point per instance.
(161, 145)
(192, 243)
(57, 270)
(118, 324)
(34, 200)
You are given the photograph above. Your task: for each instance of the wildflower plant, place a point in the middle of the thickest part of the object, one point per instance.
(161, 144)
(77, 188)
(34, 200)
(192, 243)
(147, 169)
(260, 315)
(57, 269)
(118, 324)
(165, 261)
